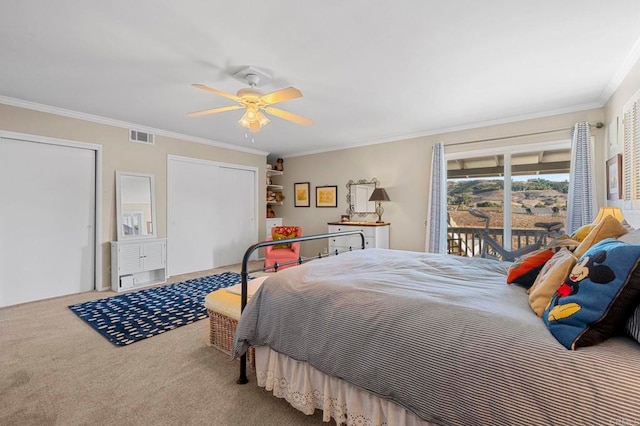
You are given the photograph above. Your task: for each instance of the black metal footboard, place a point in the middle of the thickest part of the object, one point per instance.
(245, 272)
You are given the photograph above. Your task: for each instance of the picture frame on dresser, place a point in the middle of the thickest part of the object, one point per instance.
(614, 177)
(327, 196)
(301, 194)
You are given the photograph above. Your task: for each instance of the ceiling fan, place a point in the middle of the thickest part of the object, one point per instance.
(255, 102)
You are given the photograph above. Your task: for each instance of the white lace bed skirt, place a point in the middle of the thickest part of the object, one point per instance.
(307, 389)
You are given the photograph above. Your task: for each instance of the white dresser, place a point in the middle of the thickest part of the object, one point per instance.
(376, 235)
(138, 263)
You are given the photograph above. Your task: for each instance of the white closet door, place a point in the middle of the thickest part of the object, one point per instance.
(211, 215)
(192, 216)
(237, 228)
(47, 220)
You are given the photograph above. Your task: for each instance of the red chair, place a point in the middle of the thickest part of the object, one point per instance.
(285, 252)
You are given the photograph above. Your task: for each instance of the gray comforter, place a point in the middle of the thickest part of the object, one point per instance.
(443, 336)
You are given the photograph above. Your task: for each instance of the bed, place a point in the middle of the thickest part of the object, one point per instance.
(395, 337)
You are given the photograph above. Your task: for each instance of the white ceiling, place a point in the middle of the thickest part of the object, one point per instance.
(370, 70)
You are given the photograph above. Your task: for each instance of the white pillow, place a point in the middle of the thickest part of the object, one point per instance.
(631, 237)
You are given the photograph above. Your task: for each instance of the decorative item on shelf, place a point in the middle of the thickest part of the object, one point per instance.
(270, 212)
(379, 195)
(279, 196)
(345, 218)
(280, 164)
(269, 167)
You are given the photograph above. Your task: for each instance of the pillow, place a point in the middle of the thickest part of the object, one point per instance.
(581, 233)
(597, 297)
(632, 237)
(632, 327)
(278, 236)
(526, 268)
(552, 275)
(608, 227)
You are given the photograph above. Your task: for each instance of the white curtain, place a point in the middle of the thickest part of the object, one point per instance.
(581, 201)
(436, 237)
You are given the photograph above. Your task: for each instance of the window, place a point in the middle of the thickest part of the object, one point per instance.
(516, 188)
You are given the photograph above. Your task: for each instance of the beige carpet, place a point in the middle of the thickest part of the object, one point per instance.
(56, 370)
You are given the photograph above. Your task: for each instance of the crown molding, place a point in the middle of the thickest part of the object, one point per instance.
(617, 79)
(444, 130)
(123, 124)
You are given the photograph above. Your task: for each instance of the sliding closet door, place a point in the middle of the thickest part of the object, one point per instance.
(236, 214)
(191, 216)
(211, 214)
(47, 220)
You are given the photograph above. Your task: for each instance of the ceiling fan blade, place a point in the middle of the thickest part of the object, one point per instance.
(281, 96)
(213, 111)
(217, 92)
(289, 116)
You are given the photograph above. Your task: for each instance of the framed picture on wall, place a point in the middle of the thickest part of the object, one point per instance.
(301, 194)
(614, 178)
(327, 196)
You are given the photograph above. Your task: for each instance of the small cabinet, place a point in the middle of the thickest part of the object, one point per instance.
(138, 263)
(376, 235)
(271, 222)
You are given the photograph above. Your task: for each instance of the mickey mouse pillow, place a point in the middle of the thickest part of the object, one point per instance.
(597, 297)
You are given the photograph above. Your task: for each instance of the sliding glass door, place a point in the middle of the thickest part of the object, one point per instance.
(514, 187)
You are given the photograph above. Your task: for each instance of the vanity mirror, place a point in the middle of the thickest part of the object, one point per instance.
(135, 205)
(358, 194)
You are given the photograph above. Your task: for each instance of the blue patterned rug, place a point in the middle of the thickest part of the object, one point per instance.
(130, 317)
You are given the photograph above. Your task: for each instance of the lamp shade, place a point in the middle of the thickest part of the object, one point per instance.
(609, 211)
(379, 194)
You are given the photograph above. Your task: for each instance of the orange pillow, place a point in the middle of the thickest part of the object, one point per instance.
(526, 268)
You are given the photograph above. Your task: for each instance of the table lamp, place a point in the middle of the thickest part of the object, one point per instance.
(379, 195)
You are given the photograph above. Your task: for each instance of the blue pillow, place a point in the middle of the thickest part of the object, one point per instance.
(598, 296)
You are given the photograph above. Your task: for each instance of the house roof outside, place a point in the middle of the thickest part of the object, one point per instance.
(370, 71)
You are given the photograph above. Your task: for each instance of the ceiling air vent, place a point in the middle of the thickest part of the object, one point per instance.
(141, 137)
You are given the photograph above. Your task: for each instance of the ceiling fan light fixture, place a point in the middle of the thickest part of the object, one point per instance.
(262, 119)
(251, 114)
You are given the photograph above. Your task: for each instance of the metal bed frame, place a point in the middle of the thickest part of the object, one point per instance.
(245, 272)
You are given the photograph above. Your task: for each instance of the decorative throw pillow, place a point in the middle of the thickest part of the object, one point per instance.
(632, 237)
(632, 327)
(597, 297)
(282, 233)
(608, 227)
(526, 268)
(552, 275)
(581, 233)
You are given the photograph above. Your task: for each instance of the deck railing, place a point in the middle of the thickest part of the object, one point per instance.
(466, 241)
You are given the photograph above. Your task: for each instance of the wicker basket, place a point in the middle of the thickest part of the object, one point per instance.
(221, 332)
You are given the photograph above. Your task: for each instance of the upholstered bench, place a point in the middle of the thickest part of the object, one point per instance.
(223, 307)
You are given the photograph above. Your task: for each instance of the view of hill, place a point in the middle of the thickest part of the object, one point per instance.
(533, 193)
(534, 200)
